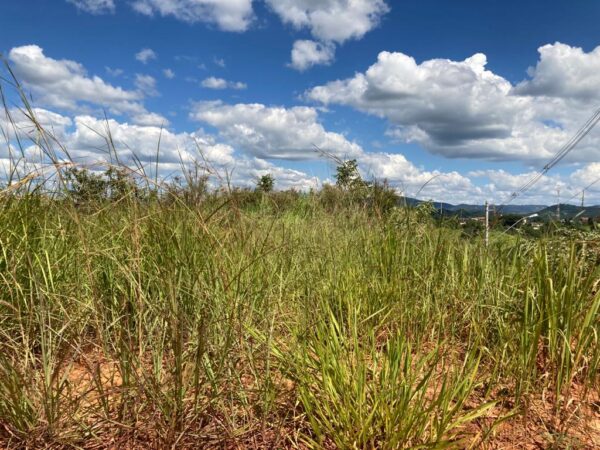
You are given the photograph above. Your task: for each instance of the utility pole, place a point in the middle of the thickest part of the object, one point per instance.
(582, 197)
(487, 223)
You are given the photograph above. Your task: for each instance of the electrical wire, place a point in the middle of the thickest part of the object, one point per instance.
(564, 151)
(583, 190)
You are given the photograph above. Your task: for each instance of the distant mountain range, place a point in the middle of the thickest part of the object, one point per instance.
(544, 211)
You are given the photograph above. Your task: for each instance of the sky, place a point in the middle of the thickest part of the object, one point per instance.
(458, 101)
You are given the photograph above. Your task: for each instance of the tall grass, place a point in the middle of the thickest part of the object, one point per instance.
(173, 317)
(146, 324)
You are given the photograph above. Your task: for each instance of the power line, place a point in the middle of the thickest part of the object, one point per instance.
(564, 151)
(583, 190)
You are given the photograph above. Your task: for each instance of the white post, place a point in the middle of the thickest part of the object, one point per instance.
(487, 223)
(558, 204)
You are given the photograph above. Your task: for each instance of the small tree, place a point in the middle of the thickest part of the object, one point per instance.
(348, 177)
(265, 183)
(85, 186)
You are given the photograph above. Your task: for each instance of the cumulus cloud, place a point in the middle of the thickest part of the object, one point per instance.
(145, 55)
(459, 109)
(274, 132)
(228, 15)
(114, 72)
(587, 175)
(246, 171)
(220, 83)
(444, 97)
(564, 72)
(168, 73)
(500, 184)
(453, 108)
(293, 133)
(85, 139)
(146, 84)
(331, 20)
(410, 180)
(87, 142)
(65, 84)
(150, 119)
(94, 6)
(307, 53)
(20, 125)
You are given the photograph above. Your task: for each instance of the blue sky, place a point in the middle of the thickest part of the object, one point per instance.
(477, 94)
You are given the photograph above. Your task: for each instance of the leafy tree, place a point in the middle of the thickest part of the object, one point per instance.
(85, 186)
(265, 183)
(347, 176)
(377, 196)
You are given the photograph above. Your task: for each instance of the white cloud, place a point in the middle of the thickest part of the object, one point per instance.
(307, 53)
(500, 185)
(587, 175)
(146, 84)
(176, 149)
(453, 108)
(19, 124)
(219, 62)
(145, 55)
(168, 73)
(246, 171)
(214, 83)
(64, 84)
(461, 109)
(114, 72)
(331, 20)
(274, 132)
(220, 83)
(85, 138)
(87, 143)
(451, 101)
(293, 133)
(150, 119)
(564, 72)
(94, 6)
(409, 179)
(228, 15)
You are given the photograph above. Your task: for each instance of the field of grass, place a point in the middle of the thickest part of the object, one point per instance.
(155, 324)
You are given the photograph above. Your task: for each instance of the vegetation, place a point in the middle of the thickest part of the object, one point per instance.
(136, 313)
(265, 183)
(146, 322)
